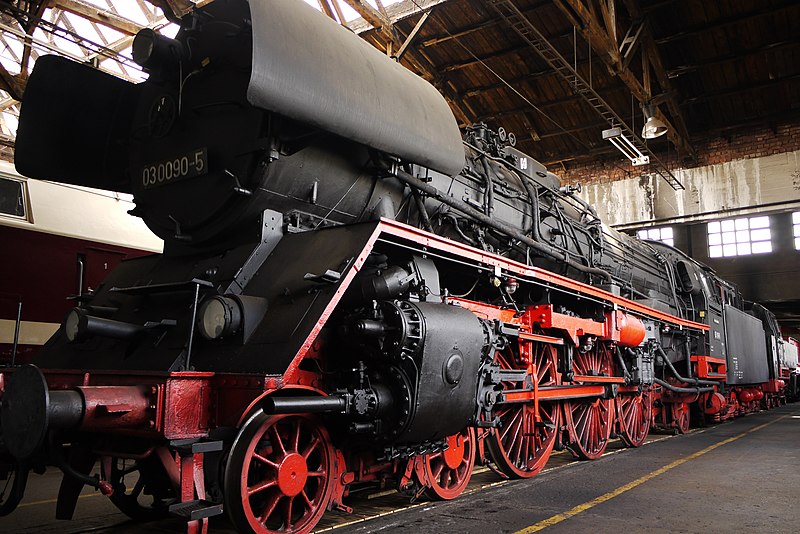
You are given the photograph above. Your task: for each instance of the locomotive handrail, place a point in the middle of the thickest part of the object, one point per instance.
(187, 285)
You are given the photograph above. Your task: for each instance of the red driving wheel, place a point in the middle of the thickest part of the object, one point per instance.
(446, 474)
(522, 444)
(590, 421)
(278, 475)
(635, 413)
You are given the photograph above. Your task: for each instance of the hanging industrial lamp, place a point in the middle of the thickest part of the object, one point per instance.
(653, 126)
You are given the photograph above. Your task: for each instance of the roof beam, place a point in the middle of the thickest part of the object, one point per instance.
(326, 8)
(373, 17)
(13, 84)
(175, 9)
(593, 32)
(100, 16)
(410, 38)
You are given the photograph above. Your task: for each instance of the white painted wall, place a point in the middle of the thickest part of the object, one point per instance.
(713, 191)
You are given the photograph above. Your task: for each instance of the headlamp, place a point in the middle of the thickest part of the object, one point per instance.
(219, 317)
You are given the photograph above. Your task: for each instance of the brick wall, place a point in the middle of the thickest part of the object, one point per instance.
(711, 150)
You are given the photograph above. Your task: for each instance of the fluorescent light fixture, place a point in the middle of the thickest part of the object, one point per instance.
(626, 146)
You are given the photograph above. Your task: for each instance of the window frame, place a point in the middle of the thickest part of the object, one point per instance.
(739, 237)
(670, 241)
(26, 200)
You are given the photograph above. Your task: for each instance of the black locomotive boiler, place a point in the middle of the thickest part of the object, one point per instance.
(352, 291)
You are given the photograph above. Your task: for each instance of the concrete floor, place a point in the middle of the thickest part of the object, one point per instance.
(750, 483)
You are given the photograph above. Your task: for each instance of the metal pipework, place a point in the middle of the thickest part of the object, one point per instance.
(695, 381)
(283, 405)
(676, 389)
(79, 325)
(500, 226)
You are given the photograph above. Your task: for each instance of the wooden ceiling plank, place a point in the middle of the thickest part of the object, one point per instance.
(338, 9)
(480, 26)
(410, 38)
(100, 16)
(97, 15)
(680, 70)
(608, 8)
(382, 9)
(373, 17)
(544, 105)
(739, 89)
(177, 8)
(326, 8)
(423, 64)
(730, 21)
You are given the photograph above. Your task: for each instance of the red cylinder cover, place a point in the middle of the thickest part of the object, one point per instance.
(745, 395)
(631, 330)
(757, 394)
(715, 403)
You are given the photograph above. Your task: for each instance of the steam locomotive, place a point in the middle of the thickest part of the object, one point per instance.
(351, 292)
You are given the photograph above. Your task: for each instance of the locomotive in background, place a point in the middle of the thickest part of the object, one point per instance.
(340, 270)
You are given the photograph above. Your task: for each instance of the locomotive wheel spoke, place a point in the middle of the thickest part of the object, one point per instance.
(680, 417)
(635, 413)
(265, 460)
(276, 436)
(522, 444)
(311, 447)
(287, 521)
(277, 478)
(270, 507)
(446, 474)
(261, 487)
(590, 421)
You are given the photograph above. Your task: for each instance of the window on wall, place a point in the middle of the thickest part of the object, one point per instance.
(663, 234)
(739, 237)
(796, 229)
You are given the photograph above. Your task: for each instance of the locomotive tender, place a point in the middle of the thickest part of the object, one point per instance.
(350, 291)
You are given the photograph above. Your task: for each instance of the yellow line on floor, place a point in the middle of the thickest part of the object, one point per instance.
(476, 489)
(52, 501)
(558, 518)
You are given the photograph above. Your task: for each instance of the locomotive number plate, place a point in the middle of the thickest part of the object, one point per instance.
(195, 163)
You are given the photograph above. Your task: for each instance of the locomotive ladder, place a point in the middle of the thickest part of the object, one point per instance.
(528, 32)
